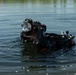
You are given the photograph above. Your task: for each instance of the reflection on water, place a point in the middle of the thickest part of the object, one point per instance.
(53, 6)
(62, 61)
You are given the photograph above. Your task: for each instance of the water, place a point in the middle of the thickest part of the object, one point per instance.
(19, 59)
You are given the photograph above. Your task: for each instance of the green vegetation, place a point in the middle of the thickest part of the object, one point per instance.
(25, 1)
(34, 1)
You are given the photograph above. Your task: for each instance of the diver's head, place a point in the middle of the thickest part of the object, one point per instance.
(67, 32)
(36, 25)
(28, 20)
(37, 22)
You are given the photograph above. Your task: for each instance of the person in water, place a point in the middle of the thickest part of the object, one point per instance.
(66, 35)
(40, 30)
(26, 29)
(31, 28)
(27, 25)
(69, 36)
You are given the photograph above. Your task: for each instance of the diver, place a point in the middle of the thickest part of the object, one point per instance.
(69, 36)
(40, 35)
(27, 25)
(26, 29)
(35, 29)
(65, 35)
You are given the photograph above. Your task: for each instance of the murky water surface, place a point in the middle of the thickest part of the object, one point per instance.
(19, 59)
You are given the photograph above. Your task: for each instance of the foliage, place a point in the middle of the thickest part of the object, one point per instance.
(34, 1)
